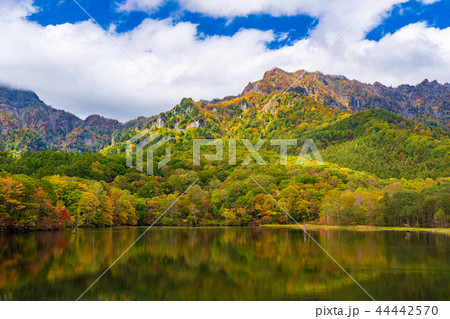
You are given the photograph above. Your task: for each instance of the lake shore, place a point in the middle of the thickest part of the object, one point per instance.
(362, 228)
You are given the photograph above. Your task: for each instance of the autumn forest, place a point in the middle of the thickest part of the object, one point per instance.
(384, 165)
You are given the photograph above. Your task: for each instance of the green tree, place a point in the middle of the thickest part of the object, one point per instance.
(440, 218)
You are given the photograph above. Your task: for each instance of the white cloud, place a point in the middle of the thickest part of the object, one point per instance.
(78, 68)
(334, 15)
(13, 9)
(133, 5)
(429, 1)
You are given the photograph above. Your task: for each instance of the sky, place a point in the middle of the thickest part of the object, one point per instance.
(157, 51)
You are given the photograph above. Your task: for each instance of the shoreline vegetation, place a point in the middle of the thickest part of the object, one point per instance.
(364, 228)
(314, 195)
(309, 227)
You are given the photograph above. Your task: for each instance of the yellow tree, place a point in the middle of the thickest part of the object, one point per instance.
(264, 207)
(124, 208)
(87, 208)
(12, 208)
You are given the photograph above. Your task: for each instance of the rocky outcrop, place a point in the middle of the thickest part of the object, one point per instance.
(426, 101)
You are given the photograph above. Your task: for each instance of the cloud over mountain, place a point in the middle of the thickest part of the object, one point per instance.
(75, 66)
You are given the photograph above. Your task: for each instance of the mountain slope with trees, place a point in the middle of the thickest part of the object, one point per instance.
(427, 102)
(28, 124)
(380, 168)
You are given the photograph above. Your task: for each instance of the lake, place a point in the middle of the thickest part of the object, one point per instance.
(224, 264)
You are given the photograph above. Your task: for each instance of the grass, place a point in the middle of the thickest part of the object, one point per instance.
(363, 228)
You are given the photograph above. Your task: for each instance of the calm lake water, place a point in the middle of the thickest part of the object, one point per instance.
(224, 264)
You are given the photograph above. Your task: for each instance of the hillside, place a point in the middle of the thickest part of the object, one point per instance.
(28, 124)
(427, 102)
(376, 141)
(372, 140)
(380, 167)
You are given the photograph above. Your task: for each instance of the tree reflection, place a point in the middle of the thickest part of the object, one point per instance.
(223, 264)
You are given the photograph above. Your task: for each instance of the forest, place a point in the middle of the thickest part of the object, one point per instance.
(380, 169)
(94, 190)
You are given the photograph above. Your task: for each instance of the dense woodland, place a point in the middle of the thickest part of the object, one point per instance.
(94, 190)
(381, 169)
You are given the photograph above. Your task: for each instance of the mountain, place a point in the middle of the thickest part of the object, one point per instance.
(28, 124)
(381, 168)
(24, 116)
(369, 138)
(427, 102)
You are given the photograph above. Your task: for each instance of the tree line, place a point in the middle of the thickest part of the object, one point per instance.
(93, 190)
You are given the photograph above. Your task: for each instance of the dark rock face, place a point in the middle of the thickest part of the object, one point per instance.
(27, 123)
(23, 111)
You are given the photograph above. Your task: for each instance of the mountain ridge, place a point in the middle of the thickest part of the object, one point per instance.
(23, 112)
(352, 95)
(28, 124)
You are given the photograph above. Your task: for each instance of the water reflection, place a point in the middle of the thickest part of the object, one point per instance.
(224, 264)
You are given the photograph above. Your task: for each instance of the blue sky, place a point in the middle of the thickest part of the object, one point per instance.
(207, 49)
(290, 28)
(435, 15)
